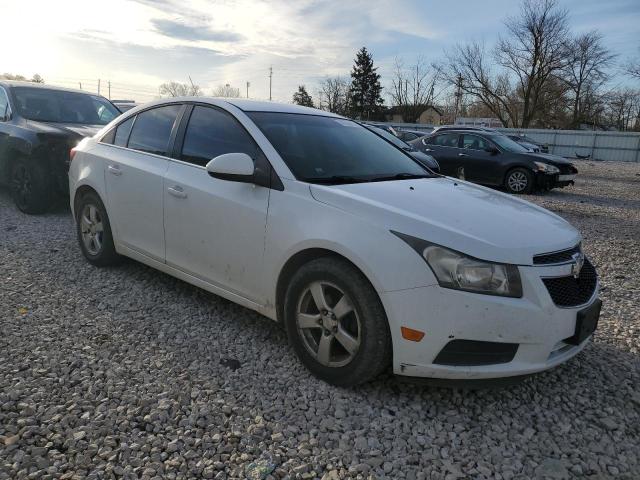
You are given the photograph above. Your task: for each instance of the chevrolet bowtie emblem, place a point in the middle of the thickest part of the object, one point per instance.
(578, 262)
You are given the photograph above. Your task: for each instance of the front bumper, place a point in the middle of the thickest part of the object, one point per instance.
(533, 322)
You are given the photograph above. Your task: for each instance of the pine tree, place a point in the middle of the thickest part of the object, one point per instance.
(366, 91)
(301, 97)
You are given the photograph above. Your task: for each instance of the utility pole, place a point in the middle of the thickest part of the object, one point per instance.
(248, 89)
(458, 96)
(109, 86)
(193, 88)
(80, 83)
(270, 76)
(98, 86)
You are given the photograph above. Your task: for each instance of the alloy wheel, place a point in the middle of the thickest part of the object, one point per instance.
(517, 181)
(328, 324)
(21, 185)
(91, 228)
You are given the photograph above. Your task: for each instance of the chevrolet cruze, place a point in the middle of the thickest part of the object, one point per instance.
(368, 259)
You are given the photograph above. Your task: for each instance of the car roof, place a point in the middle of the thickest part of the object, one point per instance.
(19, 83)
(245, 105)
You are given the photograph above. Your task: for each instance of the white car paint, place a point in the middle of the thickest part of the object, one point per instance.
(234, 239)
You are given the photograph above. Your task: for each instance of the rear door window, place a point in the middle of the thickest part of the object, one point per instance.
(4, 105)
(446, 140)
(212, 132)
(151, 131)
(122, 132)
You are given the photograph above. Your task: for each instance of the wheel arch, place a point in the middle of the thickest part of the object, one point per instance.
(78, 194)
(297, 260)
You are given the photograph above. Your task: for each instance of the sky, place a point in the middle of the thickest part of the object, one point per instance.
(139, 44)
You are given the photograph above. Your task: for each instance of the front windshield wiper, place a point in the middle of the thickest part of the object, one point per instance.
(335, 180)
(401, 176)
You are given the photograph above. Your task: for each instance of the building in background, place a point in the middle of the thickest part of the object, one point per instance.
(429, 115)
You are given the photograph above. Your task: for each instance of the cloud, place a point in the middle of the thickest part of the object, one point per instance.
(184, 31)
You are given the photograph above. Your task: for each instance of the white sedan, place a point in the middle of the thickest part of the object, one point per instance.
(367, 258)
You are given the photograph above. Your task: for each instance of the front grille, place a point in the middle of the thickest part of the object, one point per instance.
(556, 257)
(567, 169)
(570, 291)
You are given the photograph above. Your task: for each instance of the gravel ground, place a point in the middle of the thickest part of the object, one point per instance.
(127, 372)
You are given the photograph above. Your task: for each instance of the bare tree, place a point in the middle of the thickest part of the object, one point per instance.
(333, 95)
(585, 72)
(468, 66)
(226, 91)
(632, 68)
(176, 89)
(623, 109)
(533, 51)
(414, 88)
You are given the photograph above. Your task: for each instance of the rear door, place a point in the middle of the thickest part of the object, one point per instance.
(134, 178)
(479, 165)
(215, 229)
(444, 148)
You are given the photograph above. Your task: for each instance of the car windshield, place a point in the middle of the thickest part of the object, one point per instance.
(507, 144)
(59, 106)
(330, 150)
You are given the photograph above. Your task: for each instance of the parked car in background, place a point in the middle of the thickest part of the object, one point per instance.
(124, 105)
(38, 127)
(426, 160)
(530, 144)
(309, 218)
(489, 158)
(408, 135)
(444, 128)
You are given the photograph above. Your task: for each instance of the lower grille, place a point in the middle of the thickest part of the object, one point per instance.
(472, 352)
(570, 291)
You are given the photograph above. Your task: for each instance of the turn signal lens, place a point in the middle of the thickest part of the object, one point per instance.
(411, 334)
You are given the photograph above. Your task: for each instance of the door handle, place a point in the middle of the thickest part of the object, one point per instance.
(114, 170)
(428, 149)
(177, 192)
(463, 155)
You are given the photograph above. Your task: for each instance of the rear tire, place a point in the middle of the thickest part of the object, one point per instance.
(519, 180)
(30, 186)
(347, 342)
(94, 231)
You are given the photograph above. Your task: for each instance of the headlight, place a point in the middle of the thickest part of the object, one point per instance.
(546, 168)
(461, 272)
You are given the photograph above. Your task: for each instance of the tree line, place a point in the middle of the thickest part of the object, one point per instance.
(538, 74)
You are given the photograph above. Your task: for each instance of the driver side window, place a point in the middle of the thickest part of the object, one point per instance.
(212, 132)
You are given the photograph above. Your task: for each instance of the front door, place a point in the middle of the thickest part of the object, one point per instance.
(215, 229)
(134, 178)
(444, 148)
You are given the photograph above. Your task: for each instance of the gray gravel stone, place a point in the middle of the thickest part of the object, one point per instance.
(124, 372)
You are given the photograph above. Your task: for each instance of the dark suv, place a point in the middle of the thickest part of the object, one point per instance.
(490, 158)
(38, 127)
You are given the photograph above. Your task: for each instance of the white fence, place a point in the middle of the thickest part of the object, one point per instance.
(620, 146)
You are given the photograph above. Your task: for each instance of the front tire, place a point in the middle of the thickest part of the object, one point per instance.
(30, 186)
(94, 231)
(519, 180)
(336, 323)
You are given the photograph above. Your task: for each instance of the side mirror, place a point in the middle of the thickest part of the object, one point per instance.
(235, 167)
(492, 150)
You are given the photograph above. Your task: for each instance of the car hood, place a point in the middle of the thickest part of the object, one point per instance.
(549, 158)
(474, 220)
(70, 129)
